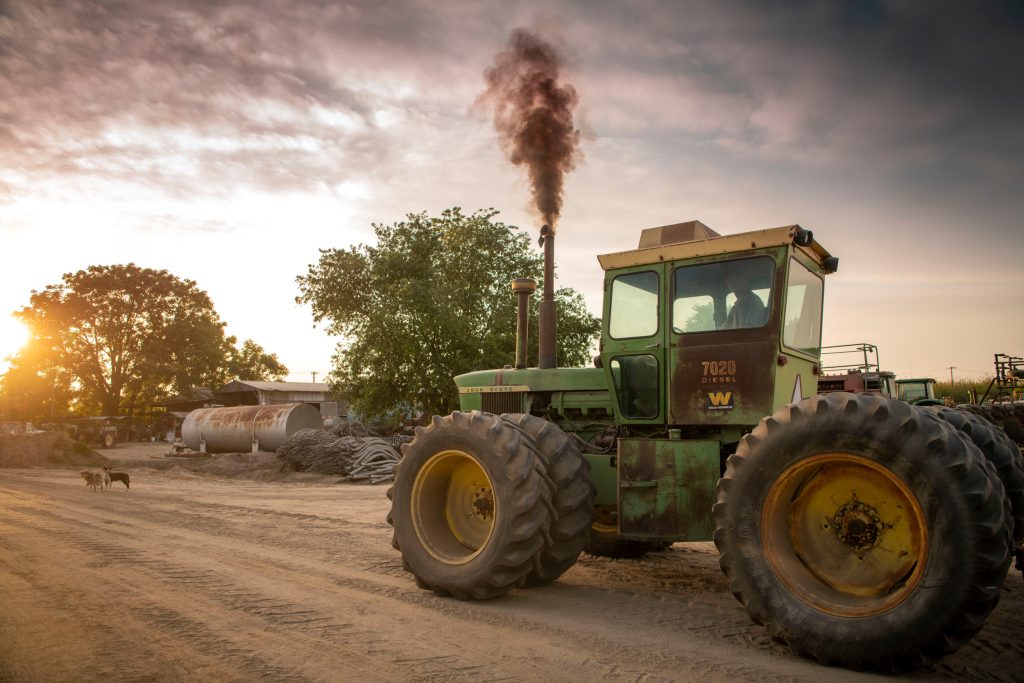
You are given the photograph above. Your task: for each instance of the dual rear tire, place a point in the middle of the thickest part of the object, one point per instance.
(483, 503)
(863, 531)
(859, 530)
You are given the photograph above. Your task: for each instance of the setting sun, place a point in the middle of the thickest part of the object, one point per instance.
(13, 336)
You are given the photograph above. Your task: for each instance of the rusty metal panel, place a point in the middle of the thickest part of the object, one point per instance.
(724, 383)
(667, 488)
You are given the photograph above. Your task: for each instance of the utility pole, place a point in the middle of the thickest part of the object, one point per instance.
(314, 377)
(951, 368)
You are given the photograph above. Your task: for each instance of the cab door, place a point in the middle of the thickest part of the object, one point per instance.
(724, 338)
(633, 342)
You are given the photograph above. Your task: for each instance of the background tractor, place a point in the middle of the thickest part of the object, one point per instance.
(919, 391)
(854, 368)
(859, 529)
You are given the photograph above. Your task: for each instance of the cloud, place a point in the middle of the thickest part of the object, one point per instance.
(288, 94)
(192, 96)
(821, 82)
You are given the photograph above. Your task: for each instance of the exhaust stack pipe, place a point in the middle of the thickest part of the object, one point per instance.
(523, 288)
(546, 323)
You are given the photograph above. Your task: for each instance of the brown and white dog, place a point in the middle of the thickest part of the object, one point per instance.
(116, 476)
(92, 479)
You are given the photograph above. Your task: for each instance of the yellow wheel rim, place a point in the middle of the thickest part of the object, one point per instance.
(453, 507)
(845, 534)
(606, 521)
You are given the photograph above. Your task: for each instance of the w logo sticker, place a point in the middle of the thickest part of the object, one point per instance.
(719, 400)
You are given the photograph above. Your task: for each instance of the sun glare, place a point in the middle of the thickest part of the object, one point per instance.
(13, 336)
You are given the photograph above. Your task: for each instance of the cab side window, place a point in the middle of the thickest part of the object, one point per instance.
(804, 296)
(636, 385)
(634, 306)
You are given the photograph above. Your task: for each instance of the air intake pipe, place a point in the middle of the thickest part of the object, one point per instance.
(523, 288)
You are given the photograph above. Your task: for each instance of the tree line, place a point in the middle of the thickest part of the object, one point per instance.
(962, 390)
(431, 299)
(111, 340)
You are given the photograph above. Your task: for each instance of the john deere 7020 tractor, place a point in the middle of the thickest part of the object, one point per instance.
(858, 529)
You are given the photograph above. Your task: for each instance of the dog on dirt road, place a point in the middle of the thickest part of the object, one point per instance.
(116, 476)
(92, 479)
(106, 479)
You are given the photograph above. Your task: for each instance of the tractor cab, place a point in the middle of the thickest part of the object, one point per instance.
(703, 331)
(917, 391)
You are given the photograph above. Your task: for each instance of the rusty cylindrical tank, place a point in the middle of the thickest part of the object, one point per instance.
(244, 429)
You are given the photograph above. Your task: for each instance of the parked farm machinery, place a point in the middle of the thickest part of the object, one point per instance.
(859, 529)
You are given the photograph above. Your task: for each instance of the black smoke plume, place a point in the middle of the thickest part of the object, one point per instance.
(533, 114)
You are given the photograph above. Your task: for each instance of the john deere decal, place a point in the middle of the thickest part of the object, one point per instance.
(719, 400)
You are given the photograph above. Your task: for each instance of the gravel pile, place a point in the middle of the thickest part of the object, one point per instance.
(47, 449)
(351, 450)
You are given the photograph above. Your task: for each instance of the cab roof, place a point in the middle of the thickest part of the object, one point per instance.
(694, 239)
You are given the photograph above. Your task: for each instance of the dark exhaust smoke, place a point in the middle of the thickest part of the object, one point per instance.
(533, 114)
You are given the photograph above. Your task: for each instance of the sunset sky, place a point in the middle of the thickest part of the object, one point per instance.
(228, 142)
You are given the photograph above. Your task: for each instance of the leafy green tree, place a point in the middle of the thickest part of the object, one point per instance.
(252, 362)
(115, 338)
(431, 300)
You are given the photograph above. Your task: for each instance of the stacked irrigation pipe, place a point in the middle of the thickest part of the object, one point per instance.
(359, 458)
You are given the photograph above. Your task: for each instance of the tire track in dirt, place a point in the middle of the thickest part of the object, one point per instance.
(429, 665)
(303, 596)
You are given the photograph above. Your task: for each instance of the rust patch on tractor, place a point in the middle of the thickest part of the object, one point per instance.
(723, 383)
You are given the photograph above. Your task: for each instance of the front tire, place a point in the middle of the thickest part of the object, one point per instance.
(573, 499)
(471, 506)
(863, 531)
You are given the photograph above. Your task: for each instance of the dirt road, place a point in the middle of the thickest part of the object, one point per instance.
(210, 579)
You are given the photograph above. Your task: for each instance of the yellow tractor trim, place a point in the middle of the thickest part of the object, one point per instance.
(713, 246)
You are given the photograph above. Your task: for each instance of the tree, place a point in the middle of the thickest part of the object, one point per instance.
(116, 338)
(252, 362)
(962, 390)
(431, 300)
(33, 388)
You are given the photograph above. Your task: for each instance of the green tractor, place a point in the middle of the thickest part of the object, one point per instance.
(919, 391)
(858, 529)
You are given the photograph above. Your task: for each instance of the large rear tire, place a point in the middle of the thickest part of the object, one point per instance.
(999, 450)
(863, 531)
(1006, 417)
(573, 499)
(471, 506)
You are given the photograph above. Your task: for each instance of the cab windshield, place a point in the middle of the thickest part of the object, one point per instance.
(727, 295)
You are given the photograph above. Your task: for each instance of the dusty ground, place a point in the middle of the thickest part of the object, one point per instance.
(200, 577)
